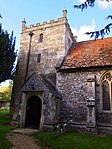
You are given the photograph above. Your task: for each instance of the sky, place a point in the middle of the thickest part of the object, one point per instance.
(38, 11)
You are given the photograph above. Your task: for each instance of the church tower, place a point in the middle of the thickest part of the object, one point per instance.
(42, 49)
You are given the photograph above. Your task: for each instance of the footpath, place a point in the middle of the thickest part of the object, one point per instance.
(23, 139)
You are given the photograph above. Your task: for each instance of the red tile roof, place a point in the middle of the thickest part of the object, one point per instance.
(89, 53)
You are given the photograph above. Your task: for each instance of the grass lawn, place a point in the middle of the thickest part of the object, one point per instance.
(73, 140)
(68, 140)
(4, 129)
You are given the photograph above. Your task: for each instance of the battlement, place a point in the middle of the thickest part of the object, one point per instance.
(45, 24)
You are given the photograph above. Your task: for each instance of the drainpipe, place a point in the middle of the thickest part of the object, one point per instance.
(28, 57)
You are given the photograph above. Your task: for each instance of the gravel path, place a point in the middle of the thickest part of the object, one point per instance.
(21, 141)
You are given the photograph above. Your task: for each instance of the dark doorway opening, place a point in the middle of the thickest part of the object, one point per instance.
(33, 112)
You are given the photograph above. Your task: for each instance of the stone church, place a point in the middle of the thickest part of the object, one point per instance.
(59, 79)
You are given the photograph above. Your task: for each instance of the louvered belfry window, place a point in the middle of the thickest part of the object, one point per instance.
(106, 86)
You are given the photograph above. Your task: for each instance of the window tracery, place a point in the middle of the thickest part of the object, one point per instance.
(106, 91)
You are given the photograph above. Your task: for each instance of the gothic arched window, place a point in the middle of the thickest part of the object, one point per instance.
(106, 87)
(106, 95)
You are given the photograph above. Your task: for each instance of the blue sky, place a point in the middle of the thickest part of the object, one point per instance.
(38, 11)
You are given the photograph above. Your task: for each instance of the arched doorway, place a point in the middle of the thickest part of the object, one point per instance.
(33, 112)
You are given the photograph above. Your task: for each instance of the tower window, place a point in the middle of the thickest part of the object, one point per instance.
(38, 58)
(41, 38)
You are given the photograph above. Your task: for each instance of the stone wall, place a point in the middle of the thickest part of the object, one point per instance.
(76, 92)
(74, 95)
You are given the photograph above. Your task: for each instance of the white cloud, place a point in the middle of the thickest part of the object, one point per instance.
(104, 4)
(5, 83)
(81, 36)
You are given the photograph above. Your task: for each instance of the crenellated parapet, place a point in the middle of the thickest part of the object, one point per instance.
(51, 24)
(45, 24)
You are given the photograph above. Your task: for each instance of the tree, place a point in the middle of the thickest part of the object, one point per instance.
(102, 32)
(7, 54)
(6, 91)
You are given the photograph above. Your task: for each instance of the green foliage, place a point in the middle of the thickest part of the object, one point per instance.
(7, 54)
(73, 140)
(6, 92)
(4, 129)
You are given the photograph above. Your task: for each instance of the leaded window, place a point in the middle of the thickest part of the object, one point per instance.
(106, 90)
(106, 95)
